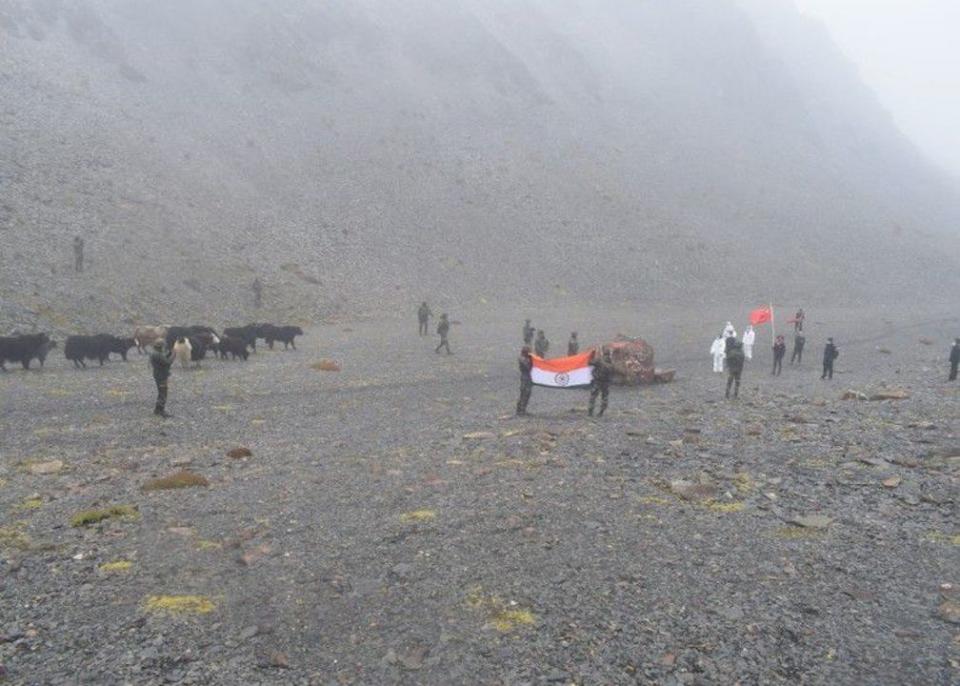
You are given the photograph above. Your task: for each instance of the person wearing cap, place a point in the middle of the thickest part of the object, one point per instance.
(954, 359)
(573, 345)
(526, 380)
(161, 361)
(830, 353)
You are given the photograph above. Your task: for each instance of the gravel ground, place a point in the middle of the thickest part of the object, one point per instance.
(395, 524)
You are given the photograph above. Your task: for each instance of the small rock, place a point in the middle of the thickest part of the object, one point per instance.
(811, 521)
(853, 395)
(249, 633)
(149, 654)
(893, 394)
(892, 482)
(949, 611)
(402, 571)
(42, 468)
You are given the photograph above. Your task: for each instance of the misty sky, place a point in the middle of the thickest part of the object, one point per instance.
(909, 53)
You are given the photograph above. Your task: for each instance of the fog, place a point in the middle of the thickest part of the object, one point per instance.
(907, 51)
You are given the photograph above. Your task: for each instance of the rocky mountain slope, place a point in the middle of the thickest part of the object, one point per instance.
(359, 155)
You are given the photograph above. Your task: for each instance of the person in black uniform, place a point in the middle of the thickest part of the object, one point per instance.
(830, 353)
(541, 345)
(423, 316)
(528, 332)
(954, 359)
(526, 380)
(779, 351)
(735, 360)
(160, 362)
(602, 373)
(798, 342)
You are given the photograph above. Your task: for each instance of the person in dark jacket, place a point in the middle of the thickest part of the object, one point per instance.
(526, 380)
(443, 330)
(798, 342)
(573, 345)
(160, 362)
(954, 359)
(779, 352)
(602, 373)
(528, 332)
(830, 353)
(798, 320)
(541, 345)
(423, 316)
(735, 360)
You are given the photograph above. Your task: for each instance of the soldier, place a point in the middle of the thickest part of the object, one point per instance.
(78, 254)
(954, 359)
(735, 360)
(573, 345)
(160, 361)
(257, 293)
(528, 332)
(602, 371)
(541, 345)
(443, 328)
(830, 353)
(526, 380)
(423, 316)
(779, 352)
(798, 342)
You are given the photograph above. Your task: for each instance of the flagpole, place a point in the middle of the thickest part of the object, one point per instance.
(773, 325)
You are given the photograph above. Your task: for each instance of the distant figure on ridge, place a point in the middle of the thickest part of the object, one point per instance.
(954, 359)
(830, 353)
(749, 338)
(719, 352)
(573, 345)
(423, 316)
(779, 352)
(798, 320)
(526, 380)
(78, 254)
(541, 345)
(257, 293)
(160, 362)
(443, 329)
(799, 341)
(528, 332)
(735, 360)
(602, 373)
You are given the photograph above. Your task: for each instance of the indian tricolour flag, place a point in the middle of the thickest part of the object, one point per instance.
(563, 372)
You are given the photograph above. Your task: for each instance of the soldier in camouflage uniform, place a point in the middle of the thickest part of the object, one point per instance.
(528, 332)
(573, 345)
(443, 329)
(602, 373)
(526, 380)
(541, 345)
(160, 362)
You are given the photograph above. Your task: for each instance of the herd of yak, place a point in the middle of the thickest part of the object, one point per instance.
(189, 343)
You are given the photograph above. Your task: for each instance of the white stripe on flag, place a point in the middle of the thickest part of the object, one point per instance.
(582, 376)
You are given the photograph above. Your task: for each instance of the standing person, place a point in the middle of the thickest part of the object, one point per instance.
(423, 316)
(602, 372)
(541, 345)
(718, 350)
(779, 352)
(526, 380)
(735, 360)
(443, 328)
(749, 338)
(528, 332)
(798, 342)
(257, 293)
(830, 353)
(573, 345)
(160, 362)
(798, 320)
(729, 331)
(78, 254)
(954, 359)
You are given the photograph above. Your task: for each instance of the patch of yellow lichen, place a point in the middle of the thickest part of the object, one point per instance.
(717, 506)
(501, 616)
(944, 539)
(115, 566)
(418, 516)
(179, 604)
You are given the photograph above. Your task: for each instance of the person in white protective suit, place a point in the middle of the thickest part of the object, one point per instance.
(719, 352)
(749, 338)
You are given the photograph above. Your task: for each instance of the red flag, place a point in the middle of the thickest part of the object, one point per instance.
(761, 315)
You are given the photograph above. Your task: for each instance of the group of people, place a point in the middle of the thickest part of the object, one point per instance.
(601, 362)
(443, 327)
(730, 355)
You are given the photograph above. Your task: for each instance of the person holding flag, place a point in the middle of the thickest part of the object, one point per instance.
(602, 372)
(526, 380)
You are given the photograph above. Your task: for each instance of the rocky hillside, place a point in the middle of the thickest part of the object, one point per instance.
(359, 155)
